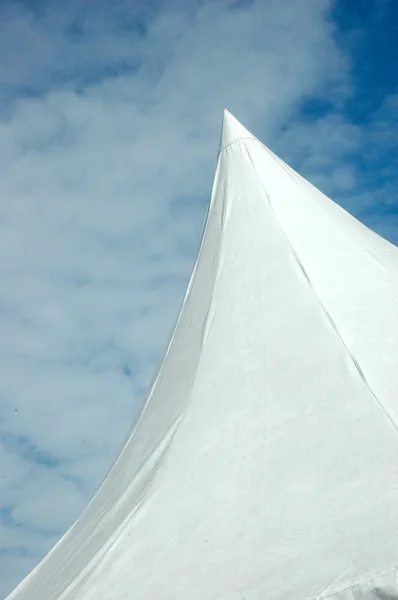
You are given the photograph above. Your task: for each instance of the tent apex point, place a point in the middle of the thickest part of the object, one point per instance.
(232, 130)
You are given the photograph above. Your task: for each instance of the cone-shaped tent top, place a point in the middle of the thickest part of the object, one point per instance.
(233, 131)
(264, 464)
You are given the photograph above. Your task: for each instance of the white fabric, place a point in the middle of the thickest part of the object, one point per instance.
(265, 463)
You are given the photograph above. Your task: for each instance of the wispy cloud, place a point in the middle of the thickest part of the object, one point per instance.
(109, 125)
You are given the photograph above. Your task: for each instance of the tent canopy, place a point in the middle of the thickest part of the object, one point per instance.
(264, 464)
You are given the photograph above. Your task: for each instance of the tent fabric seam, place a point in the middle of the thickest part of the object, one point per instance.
(238, 139)
(352, 583)
(291, 173)
(328, 315)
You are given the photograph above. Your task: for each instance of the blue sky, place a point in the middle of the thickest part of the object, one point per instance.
(109, 125)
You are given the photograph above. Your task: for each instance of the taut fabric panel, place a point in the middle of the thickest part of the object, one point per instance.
(264, 464)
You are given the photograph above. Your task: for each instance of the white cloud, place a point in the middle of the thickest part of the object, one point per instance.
(108, 138)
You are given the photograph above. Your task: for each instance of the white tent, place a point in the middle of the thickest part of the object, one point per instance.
(264, 465)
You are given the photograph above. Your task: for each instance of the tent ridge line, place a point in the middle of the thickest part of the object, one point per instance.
(328, 315)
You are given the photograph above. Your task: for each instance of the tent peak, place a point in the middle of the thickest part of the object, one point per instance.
(232, 131)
